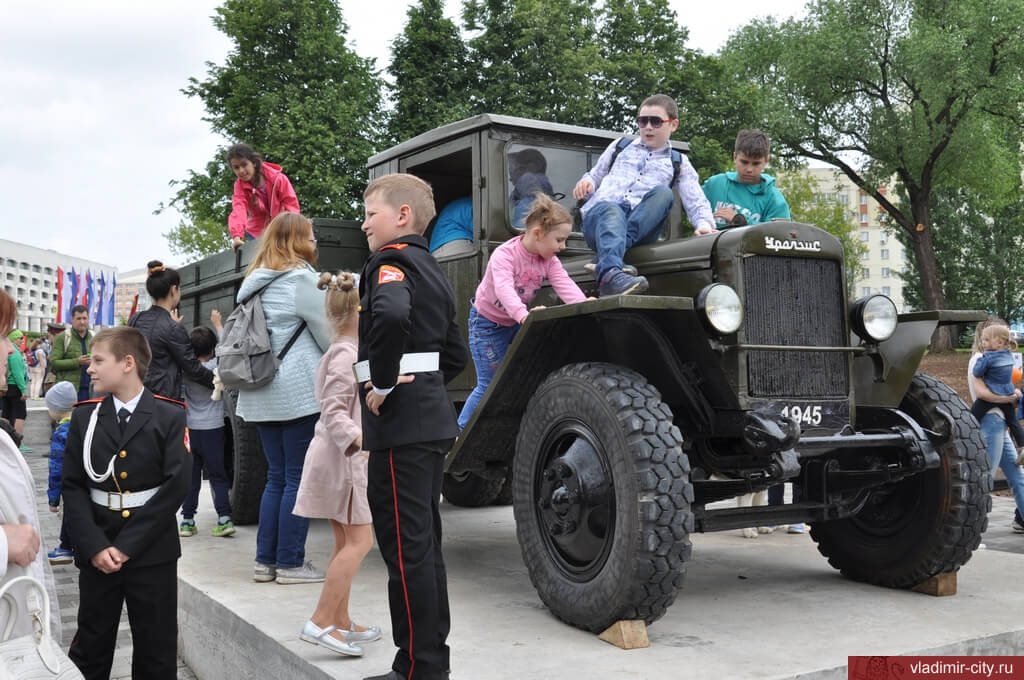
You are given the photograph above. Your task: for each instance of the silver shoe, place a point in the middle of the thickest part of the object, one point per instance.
(307, 573)
(371, 634)
(316, 635)
(264, 573)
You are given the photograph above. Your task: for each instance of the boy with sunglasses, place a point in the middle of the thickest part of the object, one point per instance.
(630, 195)
(746, 196)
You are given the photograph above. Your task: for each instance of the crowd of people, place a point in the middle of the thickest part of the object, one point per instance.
(347, 436)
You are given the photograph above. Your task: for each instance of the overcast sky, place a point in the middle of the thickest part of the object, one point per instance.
(93, 125)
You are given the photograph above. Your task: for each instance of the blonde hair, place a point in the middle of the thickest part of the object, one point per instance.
(402, 189)
(342, 299)
(980, 328)
(285, 244)
(998, 333)
(546, 214)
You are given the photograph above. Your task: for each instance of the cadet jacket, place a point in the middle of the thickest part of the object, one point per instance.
(150, 453)
(407, 305)
(172, 353)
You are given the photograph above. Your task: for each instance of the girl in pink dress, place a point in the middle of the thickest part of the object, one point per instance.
(333, 483)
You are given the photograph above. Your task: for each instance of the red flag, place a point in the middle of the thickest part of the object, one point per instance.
(135, 305)
(60, 295)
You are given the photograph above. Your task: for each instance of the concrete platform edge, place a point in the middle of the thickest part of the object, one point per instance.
(217, 643)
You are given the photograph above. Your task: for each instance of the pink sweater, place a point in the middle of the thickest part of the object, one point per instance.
(513, 277)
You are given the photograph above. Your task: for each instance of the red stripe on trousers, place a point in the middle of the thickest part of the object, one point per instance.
(401, 564)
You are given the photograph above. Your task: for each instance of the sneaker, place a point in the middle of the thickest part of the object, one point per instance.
(264, 573)
(307, 573)
(25, 449)
(1017, 525)
(765, 530)
(618, 282)
(223, 528)
(627, 268)
(796, 529)
(60, 555)
(187, 528)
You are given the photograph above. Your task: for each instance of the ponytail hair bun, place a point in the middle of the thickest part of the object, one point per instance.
(160, 280)
(546, 213)
(342, 299)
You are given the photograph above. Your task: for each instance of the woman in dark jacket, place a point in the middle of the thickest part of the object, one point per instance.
(172, 351)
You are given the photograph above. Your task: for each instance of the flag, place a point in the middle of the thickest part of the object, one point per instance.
(66, 298)
(73, 299)
(135, 305)
(93, 298)
(101, 299)
(60, 295)
(111, 297)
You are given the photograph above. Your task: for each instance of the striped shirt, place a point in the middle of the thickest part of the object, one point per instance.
(639, 169)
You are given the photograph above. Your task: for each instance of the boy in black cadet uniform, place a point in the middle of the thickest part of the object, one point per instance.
(407, 320)
(126, 472)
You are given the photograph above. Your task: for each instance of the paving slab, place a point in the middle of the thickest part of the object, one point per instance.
(769, 607)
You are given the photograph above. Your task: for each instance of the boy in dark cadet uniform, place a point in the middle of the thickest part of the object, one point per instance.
(407, 319)
(126, 472)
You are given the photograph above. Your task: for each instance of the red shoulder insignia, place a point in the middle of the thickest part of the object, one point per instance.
(95, 400)
(394, 246)
(173, 401)
(389, 274)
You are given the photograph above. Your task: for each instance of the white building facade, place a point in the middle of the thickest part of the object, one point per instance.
(29, 275)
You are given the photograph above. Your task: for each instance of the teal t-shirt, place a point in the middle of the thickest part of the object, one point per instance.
(757, 202)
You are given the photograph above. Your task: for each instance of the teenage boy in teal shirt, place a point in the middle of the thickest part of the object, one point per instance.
(746, 196)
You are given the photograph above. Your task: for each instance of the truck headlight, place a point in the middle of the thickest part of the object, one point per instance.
(874, 318)
(721, 308)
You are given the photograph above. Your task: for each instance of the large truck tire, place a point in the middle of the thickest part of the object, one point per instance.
(923, 525)
(248, 466)
(602, 496)
(470, 491)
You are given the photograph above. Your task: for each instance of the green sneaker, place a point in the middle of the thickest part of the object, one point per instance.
(187, 528)
(223, 529)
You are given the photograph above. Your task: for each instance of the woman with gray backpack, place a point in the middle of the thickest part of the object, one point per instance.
(284, 409)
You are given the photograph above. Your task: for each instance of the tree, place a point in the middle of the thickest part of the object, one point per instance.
(926, 90)
(974, 241)
(293, 89)
(535, 58)
(431, 68)
(810, 202)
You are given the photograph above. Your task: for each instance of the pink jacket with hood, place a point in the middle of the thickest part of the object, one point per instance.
(249, 214)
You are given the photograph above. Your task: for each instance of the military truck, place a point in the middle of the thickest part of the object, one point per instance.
(621, 425)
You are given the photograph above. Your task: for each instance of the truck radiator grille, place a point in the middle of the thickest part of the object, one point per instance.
(794, 301)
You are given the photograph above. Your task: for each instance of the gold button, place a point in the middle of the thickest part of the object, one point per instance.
(124, 475)
(125, 492)
(359, 308)
(126, 514)
(123, 454)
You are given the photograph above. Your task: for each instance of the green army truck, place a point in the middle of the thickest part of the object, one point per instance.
(617, 427)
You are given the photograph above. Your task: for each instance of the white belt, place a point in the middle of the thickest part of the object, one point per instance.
(113, 500)
(416, 362)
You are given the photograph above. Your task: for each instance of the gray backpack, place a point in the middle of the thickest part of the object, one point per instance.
(244, 358)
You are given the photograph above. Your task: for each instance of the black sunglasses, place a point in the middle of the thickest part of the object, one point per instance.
(654, 121)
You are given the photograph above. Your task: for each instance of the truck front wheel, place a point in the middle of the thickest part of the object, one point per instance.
(248, 467)
(602, 496)
(926, 524)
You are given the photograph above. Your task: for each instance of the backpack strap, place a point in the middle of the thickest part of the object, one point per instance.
(677, 164)
(291, 341)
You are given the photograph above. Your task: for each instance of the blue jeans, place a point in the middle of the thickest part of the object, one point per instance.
(281, 536)
(207, 451)
(488, 343)
(610, 229)
(1002, 455)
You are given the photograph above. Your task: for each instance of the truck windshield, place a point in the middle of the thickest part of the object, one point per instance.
(549, 170)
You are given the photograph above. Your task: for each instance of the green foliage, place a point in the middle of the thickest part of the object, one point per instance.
(293, 89)
(810, 202)
(432, 73)
(924, 90)
(976, 242)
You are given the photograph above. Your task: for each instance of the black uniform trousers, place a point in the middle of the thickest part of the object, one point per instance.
(404, 489)
(151, 594)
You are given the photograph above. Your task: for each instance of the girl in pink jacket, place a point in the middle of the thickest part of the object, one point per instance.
(515, 272)
(261, 192)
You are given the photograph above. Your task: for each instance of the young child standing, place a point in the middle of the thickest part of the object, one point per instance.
(630, 196)
(515, 272)
(126, 473)
(995, 367)
(333, 483)
(205, 418)
(409, 422)
(261, 192)
(746, 196)
(59, 401)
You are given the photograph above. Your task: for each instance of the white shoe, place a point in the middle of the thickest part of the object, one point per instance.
(316, 635)
(749, 532)
(765, 530)
(371, 634)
